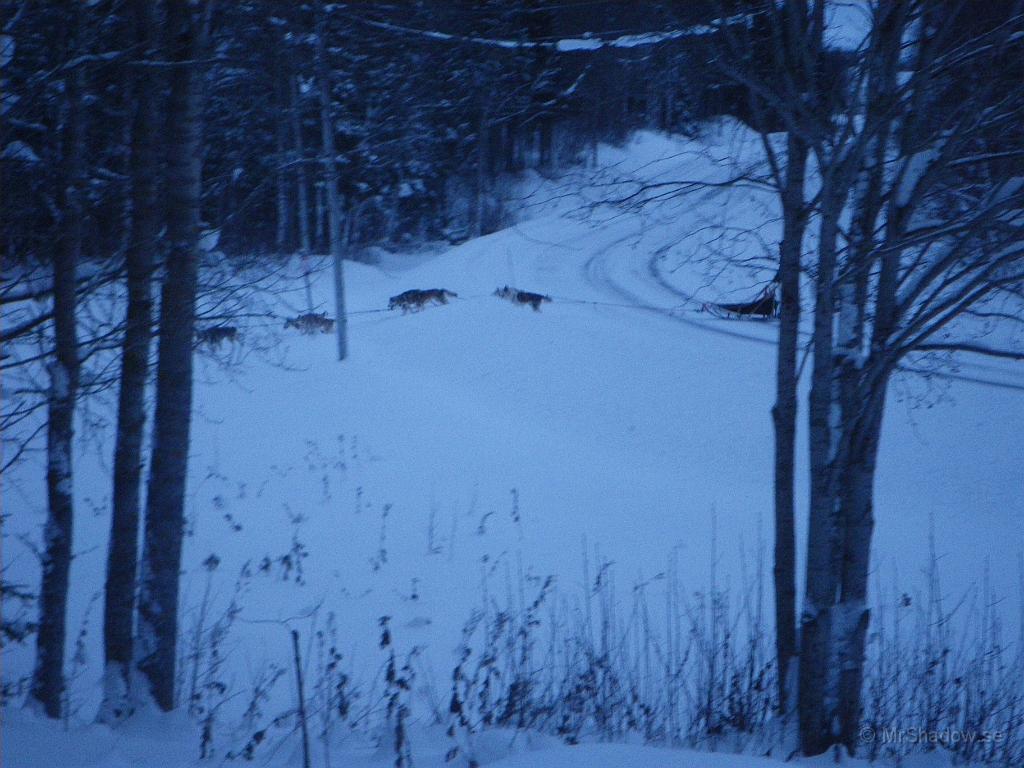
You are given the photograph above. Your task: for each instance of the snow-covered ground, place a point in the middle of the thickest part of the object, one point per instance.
(167, 741)
(469, 448)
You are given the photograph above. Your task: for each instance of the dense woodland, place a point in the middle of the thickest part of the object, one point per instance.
(423, 127)
(144, 142)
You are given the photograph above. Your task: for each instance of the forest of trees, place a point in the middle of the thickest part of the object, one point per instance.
(422, 127)
(133, 131)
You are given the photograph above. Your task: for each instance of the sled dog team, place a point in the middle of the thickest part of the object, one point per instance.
(414, 300)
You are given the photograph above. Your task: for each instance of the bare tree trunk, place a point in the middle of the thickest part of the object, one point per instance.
(845, 421)
(283, 212)
(301, 184)
(863, 381)
(122, 555)
(795, 52)
(301, 180)
(545, 144)
(480, 182)
(785, 411)
(858, 523)
(318, 222)
(164, 529)
(858, 405)
(816, 692)
(334, 216)
(48, 677)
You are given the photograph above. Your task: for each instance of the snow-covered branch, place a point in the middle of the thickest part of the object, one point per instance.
(587, 42)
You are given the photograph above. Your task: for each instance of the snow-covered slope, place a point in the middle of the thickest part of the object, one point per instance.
(467, 444)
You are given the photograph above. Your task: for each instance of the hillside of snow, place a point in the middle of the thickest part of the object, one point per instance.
(466, 452)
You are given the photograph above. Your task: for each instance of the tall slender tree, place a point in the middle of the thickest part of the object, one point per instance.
(919, 228)
(328, 158)
(299, 158)
(156, 645)
(780, 61)
(145, 212)
(283, 213)
(792, 24)
(48, 678)
(918, 234)
(784, 413)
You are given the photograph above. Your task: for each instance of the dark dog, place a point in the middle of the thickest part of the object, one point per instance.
(310, 323)
(213, 337)
(414, 299)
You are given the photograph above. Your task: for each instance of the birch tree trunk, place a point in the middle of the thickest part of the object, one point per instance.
(334, 215)
(858, 524)
(122, 555)
(845, 419)
(164, 528)
(47, 689)
(844, 488)
(863, 382)
(866, 404)
(796, 53)
(817, 677)
(784, 413)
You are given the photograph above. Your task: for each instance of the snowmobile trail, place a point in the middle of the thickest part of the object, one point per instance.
(598, 273)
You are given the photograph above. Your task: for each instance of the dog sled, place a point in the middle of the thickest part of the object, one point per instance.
(764, 307)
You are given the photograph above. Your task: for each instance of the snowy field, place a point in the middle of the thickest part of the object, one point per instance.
(159, 742)
(466, 452)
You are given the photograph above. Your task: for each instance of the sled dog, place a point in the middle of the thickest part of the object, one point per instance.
(522, 297)
(213, 337)
(311, 322)
(415, 299)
